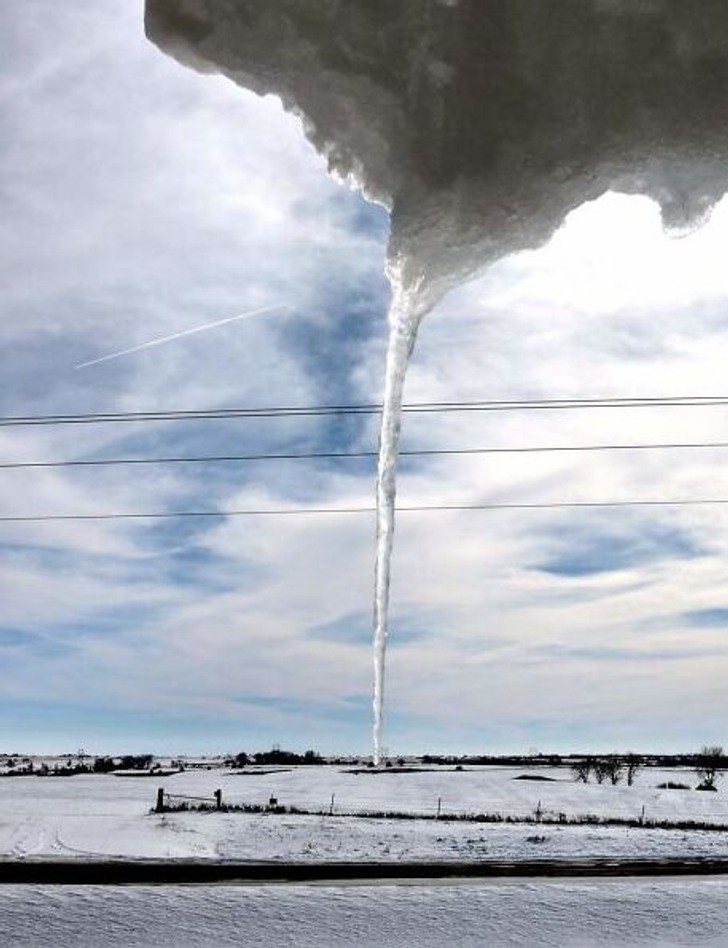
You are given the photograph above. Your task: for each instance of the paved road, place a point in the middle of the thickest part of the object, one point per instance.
(34, 871)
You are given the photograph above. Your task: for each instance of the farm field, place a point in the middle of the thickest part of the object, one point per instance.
(107, 816)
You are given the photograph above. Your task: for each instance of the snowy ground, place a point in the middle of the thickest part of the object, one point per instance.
(572, 913)
(109, 816)
(106, 816)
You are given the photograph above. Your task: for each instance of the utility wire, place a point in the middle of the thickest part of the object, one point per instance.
(308, 511)
(366, 409)
(343, 455)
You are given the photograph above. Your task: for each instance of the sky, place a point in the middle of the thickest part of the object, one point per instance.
(139, 200)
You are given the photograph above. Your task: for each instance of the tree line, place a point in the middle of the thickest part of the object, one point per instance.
(708, 764)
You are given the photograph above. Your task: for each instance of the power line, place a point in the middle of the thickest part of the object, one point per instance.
(345, 455)
(309, 511)
(365, 409)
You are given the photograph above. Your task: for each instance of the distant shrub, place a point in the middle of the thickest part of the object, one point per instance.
(283, 757)
(670, 785)
(135, 762)
(105, 765)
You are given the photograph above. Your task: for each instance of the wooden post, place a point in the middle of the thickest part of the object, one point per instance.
(642, 814)
(218, 799)
(331, 807)
(439, 808)
(159, 808)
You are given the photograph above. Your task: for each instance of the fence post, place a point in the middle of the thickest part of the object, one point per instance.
(642, 815)
(439, 808)
(538, 812)
(159, 808)
(218, 799)
(331, 806)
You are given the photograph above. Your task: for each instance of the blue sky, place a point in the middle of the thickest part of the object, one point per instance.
(140, 199)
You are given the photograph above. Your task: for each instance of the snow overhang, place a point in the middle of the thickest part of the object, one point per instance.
(481, 123)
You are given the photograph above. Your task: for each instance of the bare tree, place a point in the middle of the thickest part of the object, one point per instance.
(632, 765)
(615, 769)
(608, 769)
(710, 760)
(581, 769)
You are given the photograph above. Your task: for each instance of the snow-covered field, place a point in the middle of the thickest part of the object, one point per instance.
(104, 815)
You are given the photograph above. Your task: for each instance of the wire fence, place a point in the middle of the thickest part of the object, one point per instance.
(172, 802)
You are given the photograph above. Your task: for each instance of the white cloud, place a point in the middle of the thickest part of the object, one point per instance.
(142, 200)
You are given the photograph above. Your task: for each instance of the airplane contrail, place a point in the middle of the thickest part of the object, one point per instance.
(178, 335)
